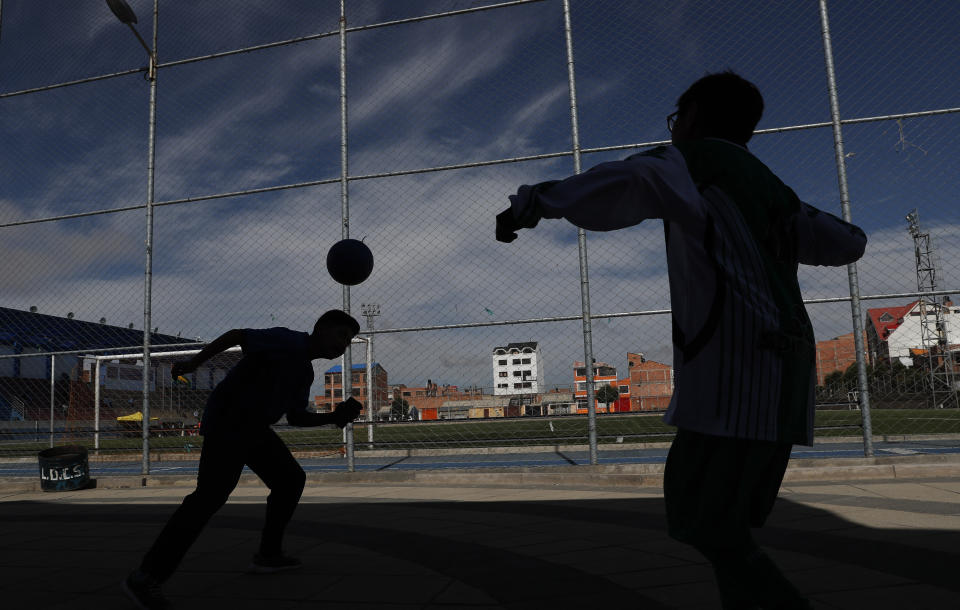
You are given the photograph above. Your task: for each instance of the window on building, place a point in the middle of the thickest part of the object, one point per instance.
(502, 374)
(515, 361)
(886, 317)
(327, 392)
(502, 362)
(580, 372)
(337, 393)
(355, 391)
(517, 386)
(527, 384)
(624, 389)
(503, 385)
(516, 373)
(581, 386)
(527, 373)
(524, 361)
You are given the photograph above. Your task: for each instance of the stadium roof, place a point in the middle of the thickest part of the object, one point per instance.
(59, 334)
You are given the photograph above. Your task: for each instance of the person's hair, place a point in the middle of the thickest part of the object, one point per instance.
(336, 317)
(728, 106)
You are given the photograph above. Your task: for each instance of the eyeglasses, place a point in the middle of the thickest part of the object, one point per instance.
(672, 120)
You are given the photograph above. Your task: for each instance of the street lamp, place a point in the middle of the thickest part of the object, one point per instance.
(126, 15)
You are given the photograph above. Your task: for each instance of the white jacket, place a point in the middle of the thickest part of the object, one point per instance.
(743, 344)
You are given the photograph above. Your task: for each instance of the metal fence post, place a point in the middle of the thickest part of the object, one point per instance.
(582, 246)
(148, 267)
(96, 404)
(855, 310)
(53, 381)
(347, 369)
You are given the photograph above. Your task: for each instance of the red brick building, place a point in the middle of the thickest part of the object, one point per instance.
(333, 388)
(651, 383)
(836, 354)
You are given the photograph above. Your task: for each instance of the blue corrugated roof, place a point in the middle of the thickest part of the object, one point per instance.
(362, 365)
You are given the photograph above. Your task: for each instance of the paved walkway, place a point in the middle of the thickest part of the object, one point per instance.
(482, 542)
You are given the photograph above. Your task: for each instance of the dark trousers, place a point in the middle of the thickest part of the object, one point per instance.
(717, 488)
(221, 461)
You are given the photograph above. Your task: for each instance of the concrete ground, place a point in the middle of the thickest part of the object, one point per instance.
(851, 534)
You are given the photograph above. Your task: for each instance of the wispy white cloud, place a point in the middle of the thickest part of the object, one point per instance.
(456, 95)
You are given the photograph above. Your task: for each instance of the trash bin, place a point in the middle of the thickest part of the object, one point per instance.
(64, 468)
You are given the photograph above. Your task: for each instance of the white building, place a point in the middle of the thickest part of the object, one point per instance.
(895, 332)
(517, 369)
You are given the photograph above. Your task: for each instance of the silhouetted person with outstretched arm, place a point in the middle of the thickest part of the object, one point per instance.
(272, 379)
(743, 344)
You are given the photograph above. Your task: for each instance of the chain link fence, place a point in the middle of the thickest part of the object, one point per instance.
(195, 186)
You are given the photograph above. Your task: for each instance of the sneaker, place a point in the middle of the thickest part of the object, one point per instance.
(270, 564)
(144, 591)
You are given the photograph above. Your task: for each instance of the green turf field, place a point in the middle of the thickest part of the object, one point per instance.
(570, 430)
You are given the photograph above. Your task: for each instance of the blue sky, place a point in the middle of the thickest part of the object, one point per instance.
(482, 86)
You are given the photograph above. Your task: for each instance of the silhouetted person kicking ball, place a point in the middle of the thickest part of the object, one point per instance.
(272, 379)
(743, 346)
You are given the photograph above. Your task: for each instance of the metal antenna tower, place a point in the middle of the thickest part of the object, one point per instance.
(933, 327)
(370, 311)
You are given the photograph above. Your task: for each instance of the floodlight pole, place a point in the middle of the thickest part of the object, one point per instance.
(148, 267)
(125, 15)
(370, 311)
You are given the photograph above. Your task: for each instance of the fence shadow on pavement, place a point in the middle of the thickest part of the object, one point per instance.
(598, 553)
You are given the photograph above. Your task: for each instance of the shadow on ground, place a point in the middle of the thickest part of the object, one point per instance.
(497, 554)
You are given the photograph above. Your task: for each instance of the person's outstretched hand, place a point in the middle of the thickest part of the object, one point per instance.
(346, 412)
(506, 226)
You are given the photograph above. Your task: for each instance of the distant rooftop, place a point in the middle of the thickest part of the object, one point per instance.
(517, 346)
(885, 320)
(355, 367)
